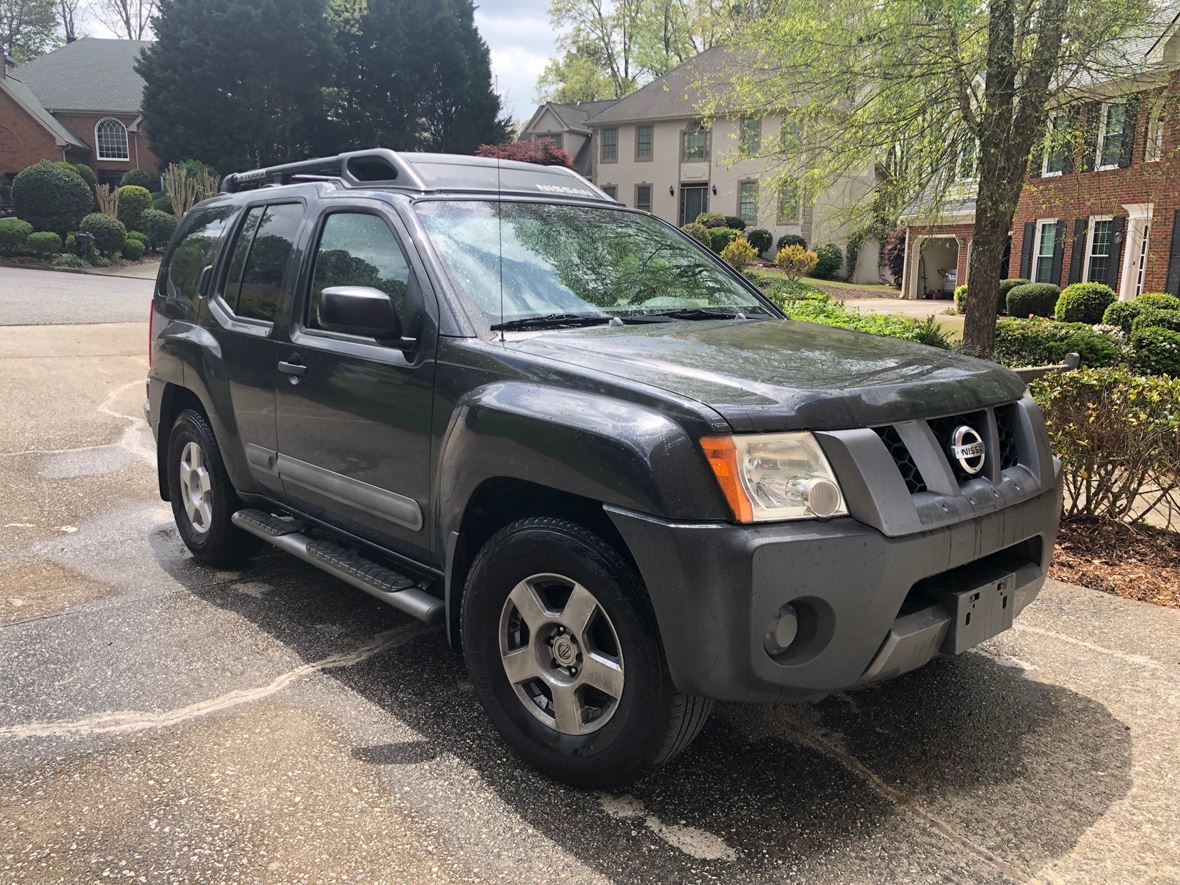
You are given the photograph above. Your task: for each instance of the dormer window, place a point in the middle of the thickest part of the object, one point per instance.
(110, 140)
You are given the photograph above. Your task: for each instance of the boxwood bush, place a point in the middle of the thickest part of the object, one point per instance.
(87, 174)
(50, 198)
(735, 222)
(140, 178)
(43, 242)
(109, 234)
(1160, 319)
(133, 249)
(1158, 300)
(790, 240)
(158, 226)
(1121, 314)
(133, 202)
(697, 231)
(1157, 351)
(961, 299)
(1033, 300)
(1040, 342)
(760, 239)
(720, 237)
(13, 233)
(162, 201)
(1083, 303)
(831, 259)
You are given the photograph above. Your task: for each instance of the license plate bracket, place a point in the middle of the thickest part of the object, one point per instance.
(978, 613)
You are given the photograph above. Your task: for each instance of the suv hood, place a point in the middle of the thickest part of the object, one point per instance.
(783, 374)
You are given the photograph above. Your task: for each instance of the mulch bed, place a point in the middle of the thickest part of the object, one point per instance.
(1135, 562)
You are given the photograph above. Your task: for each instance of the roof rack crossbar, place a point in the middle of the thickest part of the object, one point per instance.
(335, 167)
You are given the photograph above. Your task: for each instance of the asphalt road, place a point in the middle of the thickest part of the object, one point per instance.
(39, 297)
(163, 721)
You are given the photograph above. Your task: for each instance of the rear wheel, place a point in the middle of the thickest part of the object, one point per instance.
(563, 651)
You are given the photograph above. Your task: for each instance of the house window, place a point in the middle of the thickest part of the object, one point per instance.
(110, 138)
(643, 197)
(788, 203)
(1098, 250)
(750, 135)
(967, 161)
(643, 142)
(610, 145)
(790, 135)
(1154, 149)
(694, 145)
(1111, 136)
(554, 137)
(1043, 259)
(748, 201)
(611, 190)
(1053, 162)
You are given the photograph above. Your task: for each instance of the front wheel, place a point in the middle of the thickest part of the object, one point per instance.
(564, 654)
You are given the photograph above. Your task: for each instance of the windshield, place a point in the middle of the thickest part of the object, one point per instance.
(574, 261)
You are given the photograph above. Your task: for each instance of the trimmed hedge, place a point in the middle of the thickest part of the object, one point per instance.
(159, 227)
(50, 198)
(720, 237)
(1158, 300)
(830, 260)
(1121, 314)
(735, 222)
(790, 240)
(162, 202)
(1083, 303)
(109, 234)
(133, 249)
(1157, 350)
(133, 202)
(43, 242)
(698, 232)
(13, 233)
(87, 174)
(1033, 299)
(761, 239)
(1040, 342)
(1159, 319)
(140, 178)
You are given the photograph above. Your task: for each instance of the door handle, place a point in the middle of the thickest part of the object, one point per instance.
(296, 370)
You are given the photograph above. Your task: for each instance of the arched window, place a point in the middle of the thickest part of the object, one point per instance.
(110, 136)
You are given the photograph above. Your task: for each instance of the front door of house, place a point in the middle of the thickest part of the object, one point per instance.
(694, 199)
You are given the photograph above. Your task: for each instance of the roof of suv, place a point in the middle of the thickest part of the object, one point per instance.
(381, 168)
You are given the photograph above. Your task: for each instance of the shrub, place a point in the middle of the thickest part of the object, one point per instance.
(71, 261)
(87, 174)
(1083, 303)
(13, 233)
(895, 254)
(139, 235)
(961, 299)
(698, 232)
(49, 198)
(735, 222)
(43, 242)
(720, 237)
(140, 178)
(795, 261)
(829, 261)
(790, 240)
(158, 226)
(780, 289)
(760, 239)
(1158, 319)
(739, 253)
(1121, 314)
(133, 249)
(133, 202)
(109, 234)
(711, 219)
(1116, 436)
(162, 202)
(1158, 300)
(1157, 352)
(99, 261)
(1032, 300)
(831, 313)
(1039, 342)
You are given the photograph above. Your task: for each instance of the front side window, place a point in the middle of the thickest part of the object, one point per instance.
(751, 137)
(1098, 253)
(266, 271)
(110, 140)
(610, 145)
(196, 248)
(748, 201)
(358, 249)
(643, 142)
(559, 259)
(1046, 244)
(643, 197)
(1111, 135)
(694, 145)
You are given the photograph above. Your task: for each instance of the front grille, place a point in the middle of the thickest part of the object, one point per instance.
(1009, 456)
(944, 429)
(903, 459)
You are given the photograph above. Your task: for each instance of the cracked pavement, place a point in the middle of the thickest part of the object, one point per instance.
(161, 721)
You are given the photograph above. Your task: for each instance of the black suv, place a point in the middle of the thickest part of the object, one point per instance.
(491, 396)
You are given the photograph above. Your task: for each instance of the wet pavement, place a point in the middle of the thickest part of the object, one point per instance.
(163, 721)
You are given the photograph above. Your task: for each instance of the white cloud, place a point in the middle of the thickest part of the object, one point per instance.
(521, 41)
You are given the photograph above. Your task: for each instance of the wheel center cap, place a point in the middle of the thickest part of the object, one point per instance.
(563, 650)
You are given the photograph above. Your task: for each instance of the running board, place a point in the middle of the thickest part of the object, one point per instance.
(287, 533)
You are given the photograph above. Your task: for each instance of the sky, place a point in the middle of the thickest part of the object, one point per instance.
(521, 40)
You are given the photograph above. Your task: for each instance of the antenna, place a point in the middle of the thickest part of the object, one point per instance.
(500, 236)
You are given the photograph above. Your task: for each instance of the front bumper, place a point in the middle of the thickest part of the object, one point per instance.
(716, 588)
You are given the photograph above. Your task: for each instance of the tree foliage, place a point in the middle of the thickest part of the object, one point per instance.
(27, 28)
(543, 153)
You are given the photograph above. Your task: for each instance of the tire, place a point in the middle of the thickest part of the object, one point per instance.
(206, 529)
(530, 588)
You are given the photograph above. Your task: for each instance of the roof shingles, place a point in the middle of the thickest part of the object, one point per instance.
(89, 75)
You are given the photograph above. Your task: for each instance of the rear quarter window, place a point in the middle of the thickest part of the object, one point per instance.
(196, 246)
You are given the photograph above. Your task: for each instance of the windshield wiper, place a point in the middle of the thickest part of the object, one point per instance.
(553, 321)
(692, 313)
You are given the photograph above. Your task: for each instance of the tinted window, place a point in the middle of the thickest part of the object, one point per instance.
(200, 235)
(237, 263)
(267, 272)
(360, 250)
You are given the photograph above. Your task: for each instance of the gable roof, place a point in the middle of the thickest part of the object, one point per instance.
(87, 75)
(19, 92)
(678, 93)
(573, 115)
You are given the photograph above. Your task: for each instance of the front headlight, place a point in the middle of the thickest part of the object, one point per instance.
(774, 476)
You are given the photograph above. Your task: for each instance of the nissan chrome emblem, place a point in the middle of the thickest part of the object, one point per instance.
(967, 447)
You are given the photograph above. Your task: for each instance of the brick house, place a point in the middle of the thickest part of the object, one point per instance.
(78, 103)
(1104, 208)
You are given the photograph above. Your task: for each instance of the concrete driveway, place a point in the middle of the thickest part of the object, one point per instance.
(163, 721)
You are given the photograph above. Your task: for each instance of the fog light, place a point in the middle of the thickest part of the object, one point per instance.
(783, 630)
(823, 497)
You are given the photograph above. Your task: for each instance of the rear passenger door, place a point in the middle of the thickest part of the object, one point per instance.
(256, 282)
(354, 414)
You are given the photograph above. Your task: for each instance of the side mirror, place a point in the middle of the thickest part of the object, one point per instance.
(359, 310)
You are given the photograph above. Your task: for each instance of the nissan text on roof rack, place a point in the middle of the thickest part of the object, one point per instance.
(625, 485)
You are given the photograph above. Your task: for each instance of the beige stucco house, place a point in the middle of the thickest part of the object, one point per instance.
(565, 126)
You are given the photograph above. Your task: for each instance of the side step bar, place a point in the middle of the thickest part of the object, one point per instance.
(403, 593)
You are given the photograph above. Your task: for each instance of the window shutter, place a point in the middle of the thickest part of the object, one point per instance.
(1078, 255)
(1026, 249)
(1090, 135)
(1173, 283)
(1116, 251)
(1058, 251)
(1131, 129)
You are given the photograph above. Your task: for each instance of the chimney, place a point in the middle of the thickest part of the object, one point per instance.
(7, 63)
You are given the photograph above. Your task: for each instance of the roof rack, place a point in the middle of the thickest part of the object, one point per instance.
(378, 166)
